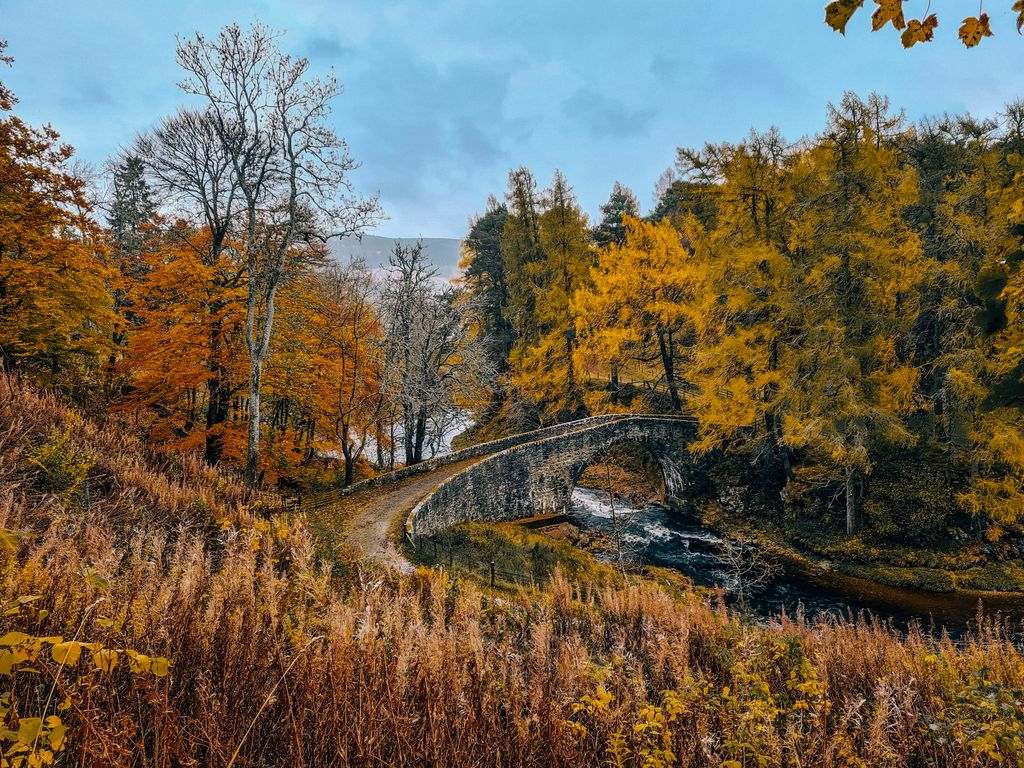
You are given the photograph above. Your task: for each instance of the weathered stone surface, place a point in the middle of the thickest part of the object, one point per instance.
(538, 471)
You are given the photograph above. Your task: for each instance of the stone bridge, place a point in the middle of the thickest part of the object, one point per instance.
(535, 473)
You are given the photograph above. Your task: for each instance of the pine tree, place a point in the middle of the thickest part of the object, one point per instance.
(484, 272)
(521, 250)
(612, 228)
(131, 214)
(544, 368)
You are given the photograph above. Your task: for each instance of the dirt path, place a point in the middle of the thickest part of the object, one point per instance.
(367, 520)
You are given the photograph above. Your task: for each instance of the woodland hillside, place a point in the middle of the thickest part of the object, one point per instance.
(151, 618)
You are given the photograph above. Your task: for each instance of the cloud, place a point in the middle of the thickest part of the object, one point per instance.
(323, 47)
(434, 125)
(605, 117)
(665, 69)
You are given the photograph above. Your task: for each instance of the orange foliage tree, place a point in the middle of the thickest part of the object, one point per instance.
(56, 312)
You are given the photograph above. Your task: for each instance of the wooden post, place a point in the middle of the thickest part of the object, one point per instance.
(492, 573)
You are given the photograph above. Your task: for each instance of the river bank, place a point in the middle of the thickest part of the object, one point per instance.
(814, 587)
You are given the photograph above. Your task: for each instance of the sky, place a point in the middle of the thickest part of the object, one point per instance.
(442, 98)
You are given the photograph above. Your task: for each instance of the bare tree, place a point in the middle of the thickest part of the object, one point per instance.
(747, 568)
(189, 169)
(288, 169)
(627, 546)
(432, 360)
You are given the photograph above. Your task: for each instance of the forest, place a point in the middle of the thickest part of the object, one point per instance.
(822, 307)
(186, 364)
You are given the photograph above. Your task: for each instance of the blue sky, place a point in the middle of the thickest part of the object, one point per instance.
(443, 98)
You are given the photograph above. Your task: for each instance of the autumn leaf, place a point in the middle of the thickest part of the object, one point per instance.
(1018, 7)
(839, 12)
(975, 28)
(13, 638)
(67, 653)
(920, 31)
(105, 660)
(888, 11)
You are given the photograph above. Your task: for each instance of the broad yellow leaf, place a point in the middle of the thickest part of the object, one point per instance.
(67, 653)
(139, 662)
(920, 31)
(28, 729)
(13, 638)
(838, 13)
(974, 29)
(105, 660)
(888, 11)
(160, 666)
(57, 732)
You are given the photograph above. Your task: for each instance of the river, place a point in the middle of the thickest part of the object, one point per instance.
(657, 536)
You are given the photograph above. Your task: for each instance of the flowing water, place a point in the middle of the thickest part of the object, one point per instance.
(657, 536)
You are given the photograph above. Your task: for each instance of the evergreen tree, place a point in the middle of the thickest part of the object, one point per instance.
(612, 228)
(544, 368)
(131, 210)
(484, 271)
(520, 251)
(681, 198)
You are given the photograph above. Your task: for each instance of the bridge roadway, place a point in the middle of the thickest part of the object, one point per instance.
(505, 479)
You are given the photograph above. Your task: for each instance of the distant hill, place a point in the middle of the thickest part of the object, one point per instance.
(443, 252)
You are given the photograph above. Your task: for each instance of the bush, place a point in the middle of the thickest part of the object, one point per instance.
(911, 497)
(62, 468)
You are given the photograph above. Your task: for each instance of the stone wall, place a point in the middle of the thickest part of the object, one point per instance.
(474, 451)
(538, 474)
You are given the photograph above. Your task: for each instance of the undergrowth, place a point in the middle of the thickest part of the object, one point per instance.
(193, 632)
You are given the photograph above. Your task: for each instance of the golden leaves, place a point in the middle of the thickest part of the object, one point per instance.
(920, 31)
(888, 11)
(974, 29)
(839, 12)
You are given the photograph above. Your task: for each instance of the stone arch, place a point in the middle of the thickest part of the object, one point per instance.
(558, 474)
(539, 475)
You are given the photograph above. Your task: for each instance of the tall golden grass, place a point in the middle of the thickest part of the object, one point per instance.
(385, 670)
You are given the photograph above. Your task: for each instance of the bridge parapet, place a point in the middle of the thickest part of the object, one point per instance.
(472, 452)
(538, 474)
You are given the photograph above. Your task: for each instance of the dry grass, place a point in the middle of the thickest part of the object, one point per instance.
(419, 671)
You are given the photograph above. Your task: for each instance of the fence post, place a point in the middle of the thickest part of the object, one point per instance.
(492, 573)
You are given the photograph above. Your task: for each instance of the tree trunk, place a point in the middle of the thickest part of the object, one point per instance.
(218, 399)
(259, 348)
(409, 434)
(665, 347)
(613, 383)
(421, 433)
(851, 503)
(350, 460)
(252, 456)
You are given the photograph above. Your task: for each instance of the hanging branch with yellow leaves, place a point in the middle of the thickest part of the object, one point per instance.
(972, 31)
